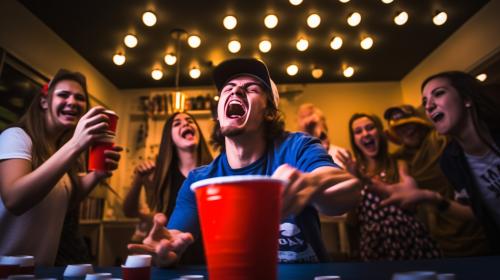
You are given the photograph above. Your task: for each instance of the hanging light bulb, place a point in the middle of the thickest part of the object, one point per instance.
(336, 43)
(194, 41)
(271, 21)
(265, 46)
(401, 18)
(149, 18)
(482, 77)
(344, 1)
(234, 46)
(170, 59)
(440, 18)
(313, 20)
(230, 22)
(317, 73)
(302, 44)
(119, 58)
(195, 72)
(157, 74)
(292, 69)
(130, 40)
(354, 19)
(348, 71)
(387, 1)
(295, 2)
(366, 43)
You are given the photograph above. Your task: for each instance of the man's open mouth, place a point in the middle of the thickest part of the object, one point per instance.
(235, 108)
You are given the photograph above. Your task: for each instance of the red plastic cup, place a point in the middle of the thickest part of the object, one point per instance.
(136, 273)
(96, 157)
(8, 269)
(239, 217)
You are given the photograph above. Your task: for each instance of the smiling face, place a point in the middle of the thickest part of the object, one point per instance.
(366, 136)
(185, 134)
(242, 105)
(444, 106)
(66, 105)
(411, 134)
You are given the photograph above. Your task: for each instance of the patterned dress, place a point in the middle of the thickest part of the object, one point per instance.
(390, 233)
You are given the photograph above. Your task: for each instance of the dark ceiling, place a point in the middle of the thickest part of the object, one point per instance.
(96, 28)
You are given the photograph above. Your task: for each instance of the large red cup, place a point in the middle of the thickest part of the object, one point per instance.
(136, 273)
(239, 218)
(96, 157)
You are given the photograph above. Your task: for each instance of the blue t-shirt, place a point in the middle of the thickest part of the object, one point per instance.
(300, 235)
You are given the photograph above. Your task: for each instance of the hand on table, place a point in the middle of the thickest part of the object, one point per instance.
(166, 246)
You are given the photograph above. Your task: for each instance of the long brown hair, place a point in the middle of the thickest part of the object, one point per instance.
(484, 113)
(385, 163)
(166, 163)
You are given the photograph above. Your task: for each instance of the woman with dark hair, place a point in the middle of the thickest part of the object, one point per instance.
(182, 149)
(41, 158)
(387, 232)
(458, 107)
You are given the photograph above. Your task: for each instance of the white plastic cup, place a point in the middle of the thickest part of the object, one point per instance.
(327, 277)
(22, 261)
(78, 270)
(138, 261)
(192, 277)
(98, 276)
(415, 275)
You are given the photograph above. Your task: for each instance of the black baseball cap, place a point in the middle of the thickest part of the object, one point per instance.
(64, 74)
(232, 68)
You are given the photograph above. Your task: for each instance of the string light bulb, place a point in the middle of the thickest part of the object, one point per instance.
(195, 72)
(265, 46)
(271, 21)
(354, 19)
(401, 18)
(295, 2)
(230, 22)
(170, 59)
(302, 44)
(130, 40)
(194, 41)
(313, 20)
(234, 46)
(149, 18)
(366, 43)
(317, 73)
(440, 18)
(482, 77)
(348, 72)
(119, 58)
(157, 74)
(292, 69)
(336, 43)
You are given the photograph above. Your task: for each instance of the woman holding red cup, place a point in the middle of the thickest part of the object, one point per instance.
(41, 160)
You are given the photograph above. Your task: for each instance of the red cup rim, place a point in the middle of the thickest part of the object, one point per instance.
(110, 112)
(232, 179)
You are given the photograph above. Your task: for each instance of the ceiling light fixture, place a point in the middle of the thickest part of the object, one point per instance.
(344, 1)
(401, 18)
(271, 21)
(302, 44)
(195, 72)
(149, 18)
(265, 46)
(292, 69)
(387, 1)
(194, 41)
(317, 73)
(295, 2)
(482, 77)
(440, 18)
(179, 98)
(354, 19)
(230, 22)
(366, 43)
(336, 43)
(234, 46)
(348, 71)
(170, 59)
(119, 58)
(130, 40)
(313, 20)
(157, 74)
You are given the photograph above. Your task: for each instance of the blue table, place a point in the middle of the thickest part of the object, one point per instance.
(483, 268)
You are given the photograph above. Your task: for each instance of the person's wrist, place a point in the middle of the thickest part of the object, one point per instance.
(441, 203)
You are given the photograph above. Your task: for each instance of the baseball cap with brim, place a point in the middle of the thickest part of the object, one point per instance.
(233, 68)
(404, 114)
(64, 74)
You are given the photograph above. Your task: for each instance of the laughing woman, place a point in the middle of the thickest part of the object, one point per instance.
(458, 107)
(182, 149)
(40, 165)
(387, 232)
